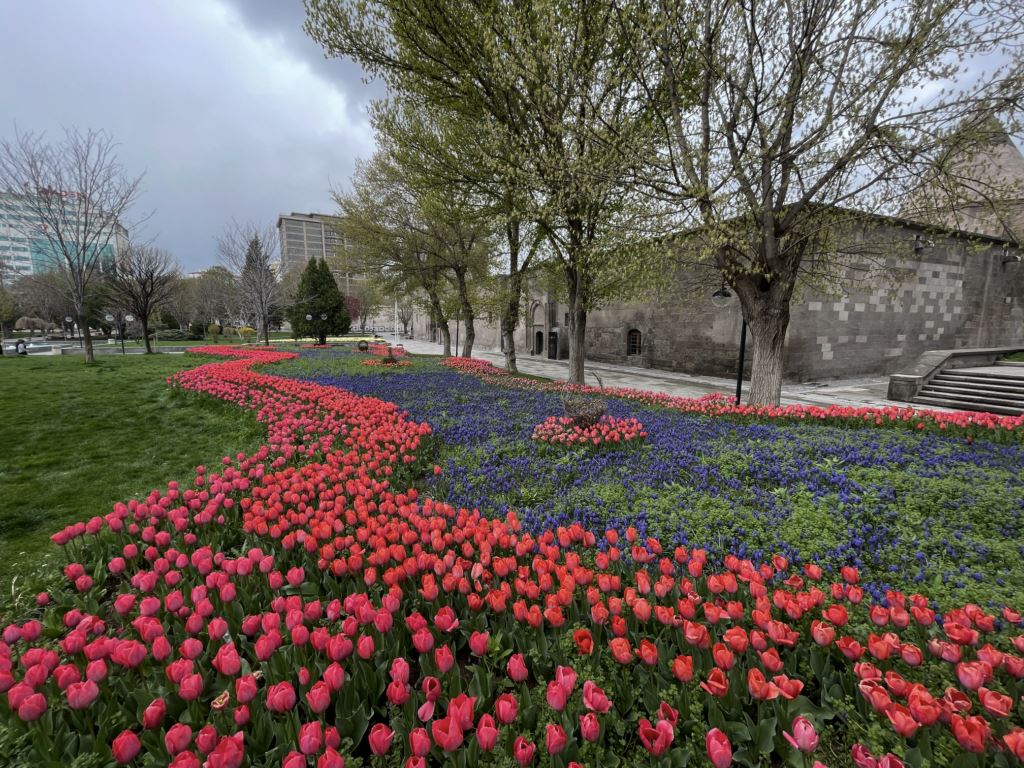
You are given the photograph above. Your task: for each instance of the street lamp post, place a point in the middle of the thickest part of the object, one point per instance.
(323, 331)
(127, 319)
(721, 298)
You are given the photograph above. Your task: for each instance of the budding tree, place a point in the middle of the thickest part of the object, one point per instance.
(783, 122)
(74, 194)
(247, 250)
(144, 280)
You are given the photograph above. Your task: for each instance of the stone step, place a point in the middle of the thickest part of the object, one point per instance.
(1010, 363)
(1003, 385)
(975, 393)
(983, 377)
(965, 406)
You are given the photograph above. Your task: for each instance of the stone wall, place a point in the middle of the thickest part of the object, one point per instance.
(955, 293)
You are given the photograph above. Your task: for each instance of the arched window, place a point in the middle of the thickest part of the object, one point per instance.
(633, 342)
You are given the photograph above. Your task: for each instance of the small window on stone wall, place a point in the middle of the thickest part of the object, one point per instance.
(633, 342)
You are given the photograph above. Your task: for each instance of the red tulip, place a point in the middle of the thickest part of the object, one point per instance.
(656, 738)
(380, 739)
(177, 738)
(447, 733)
(590, 727)
(330, 759)
(227, 661)
(229, 752)
(125, 747)
(506, 708)
(621, 650)
(584, 641)
(154, 714)
(517, 668)
(478, 643)
(486, 733)
(523, 750)
(718, 748)
(311, 738)
(556, 696)
(594, 698)
(682, 668)
(32, 708)
(1014, 741)
(444, 658)
(280, 697)
(419, 742)
(972, 733)
(555, 739)
(717, 683)
(206, 739)
(81, 695)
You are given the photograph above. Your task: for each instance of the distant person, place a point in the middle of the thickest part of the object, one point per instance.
(20, 347)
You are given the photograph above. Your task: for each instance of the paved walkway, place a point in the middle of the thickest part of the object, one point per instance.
(852, 392)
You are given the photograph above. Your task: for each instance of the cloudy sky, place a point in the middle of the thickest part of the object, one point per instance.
(225, 105)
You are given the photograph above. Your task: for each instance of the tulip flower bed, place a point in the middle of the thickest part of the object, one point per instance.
(988, 425)
(383, 350)
(308, 605)
(387, 364)
(911, 510)
(608, 431)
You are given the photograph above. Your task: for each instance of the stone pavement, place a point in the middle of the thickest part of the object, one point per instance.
(846, 392)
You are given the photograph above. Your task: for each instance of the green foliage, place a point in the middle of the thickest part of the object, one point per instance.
(318, 296)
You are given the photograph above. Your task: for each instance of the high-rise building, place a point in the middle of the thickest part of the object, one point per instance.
(305, 236)
(25, 248)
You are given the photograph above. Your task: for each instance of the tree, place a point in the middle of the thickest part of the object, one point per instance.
(544, 86)
(784, 124)
(319, 298)
(183, 302)
(217, 296)
(406, 312)
(75, 193)
(367, 300)
(9, 312)
(247, 250)
(380, 218)
(143, 281)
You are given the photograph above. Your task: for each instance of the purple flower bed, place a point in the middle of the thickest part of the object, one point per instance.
(912, 511)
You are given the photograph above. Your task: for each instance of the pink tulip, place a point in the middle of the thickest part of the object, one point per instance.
(718, 748)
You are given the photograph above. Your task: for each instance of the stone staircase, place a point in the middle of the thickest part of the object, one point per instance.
(997, 388)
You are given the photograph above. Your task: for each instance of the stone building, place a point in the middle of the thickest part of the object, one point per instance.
(958, 290)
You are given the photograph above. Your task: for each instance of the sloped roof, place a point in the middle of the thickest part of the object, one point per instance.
(981, 188)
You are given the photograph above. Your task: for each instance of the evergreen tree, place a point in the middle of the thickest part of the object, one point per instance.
(318, 297)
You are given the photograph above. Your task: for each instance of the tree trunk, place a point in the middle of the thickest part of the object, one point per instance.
(145, 333)
(83, 328)
(510, 312)
(508, 339)
(437, 316)
(322, 339)
(266, 331)
(467, 313)
(577, 343)
(577, 326)
(768, 332)
(446, 339)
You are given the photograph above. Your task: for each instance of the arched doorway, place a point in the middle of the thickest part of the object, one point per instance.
(538, 343)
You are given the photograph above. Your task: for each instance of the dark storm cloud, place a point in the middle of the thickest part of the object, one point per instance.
(283, 19)
(226, 106)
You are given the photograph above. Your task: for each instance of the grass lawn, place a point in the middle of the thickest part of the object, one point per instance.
(79, 438)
